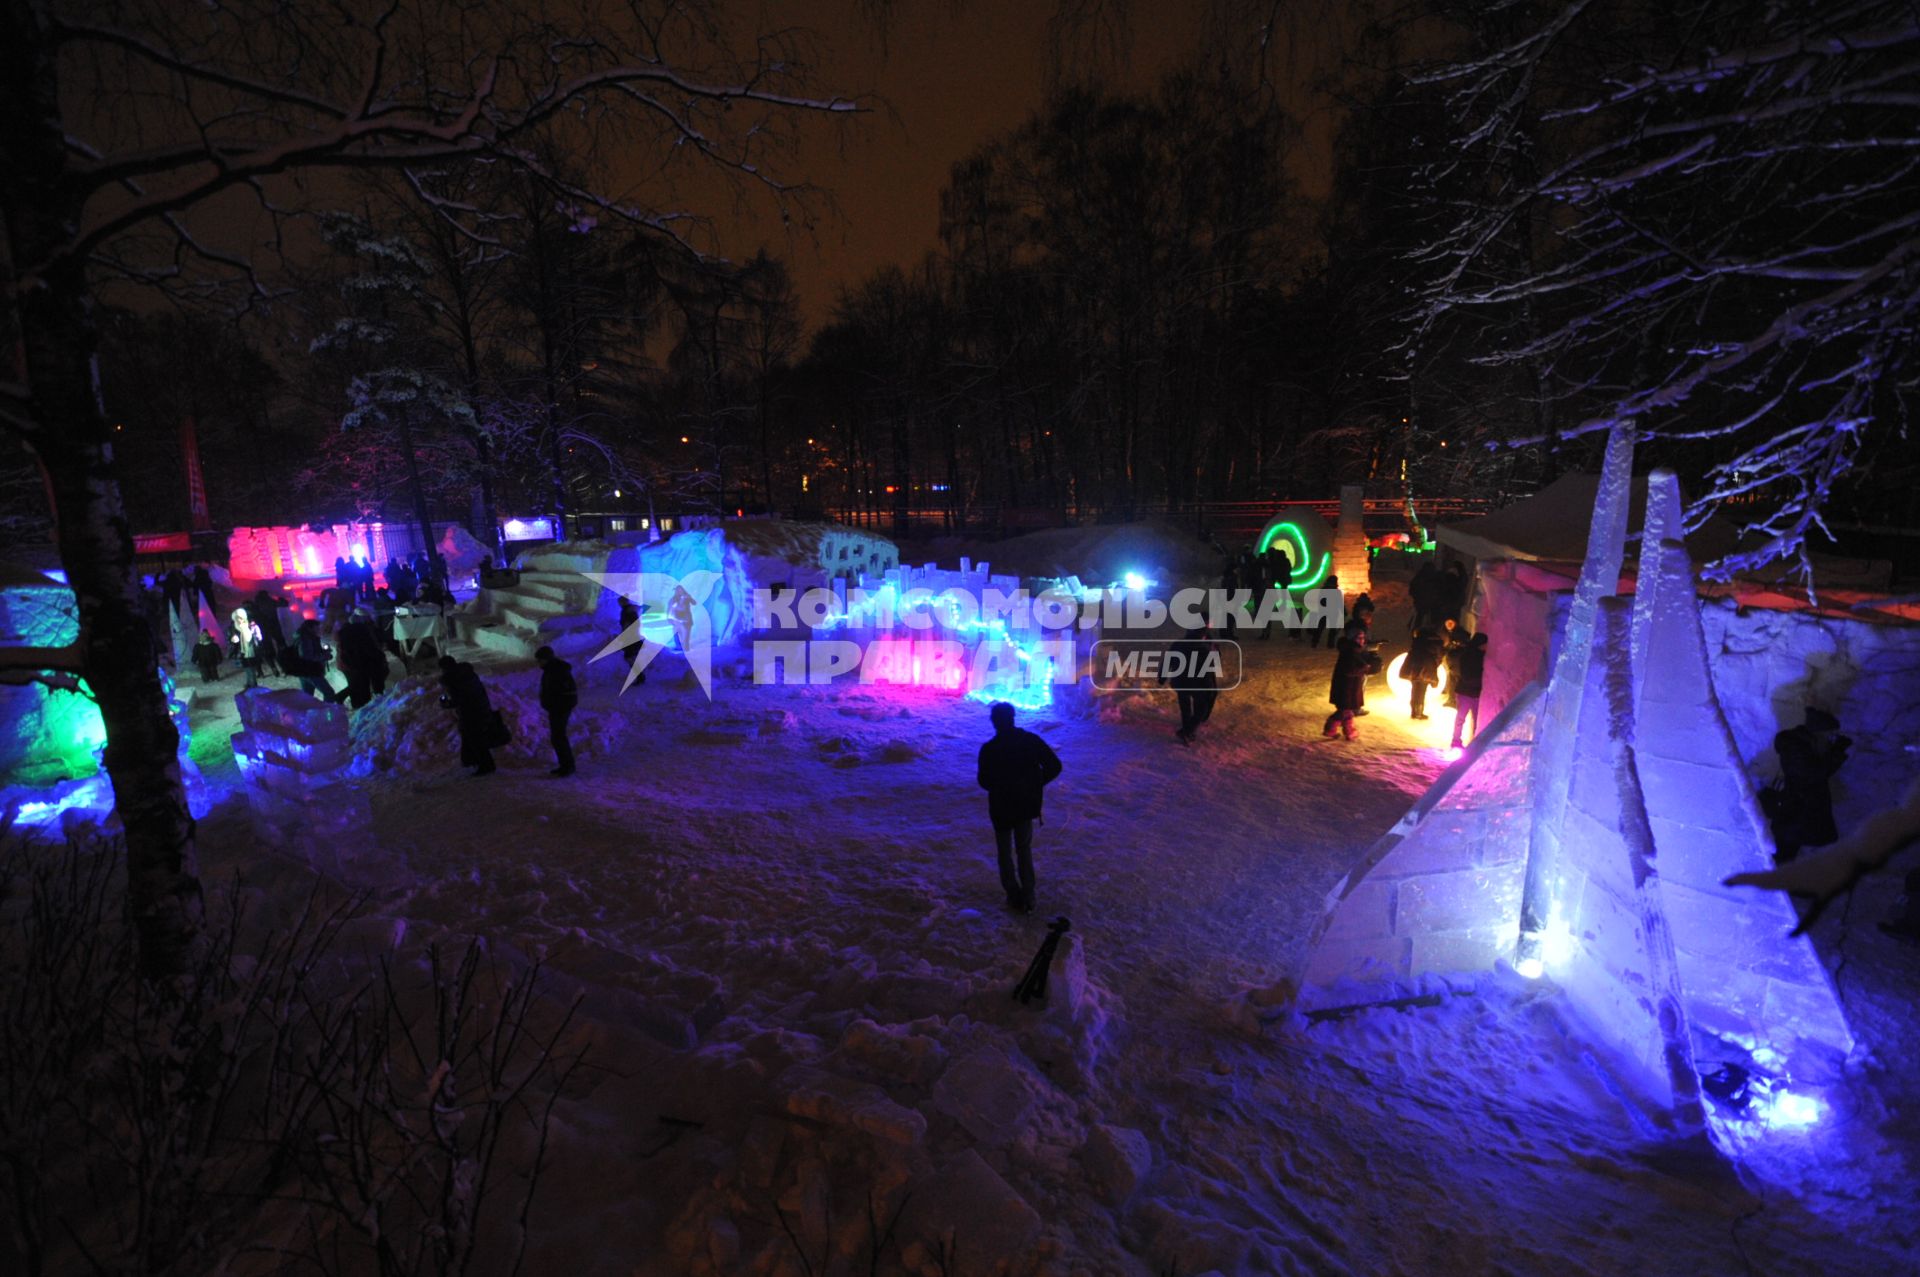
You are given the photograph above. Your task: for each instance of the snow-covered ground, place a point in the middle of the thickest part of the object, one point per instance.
(783, 911)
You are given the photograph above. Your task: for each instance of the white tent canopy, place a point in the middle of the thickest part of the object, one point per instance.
(1551, 526)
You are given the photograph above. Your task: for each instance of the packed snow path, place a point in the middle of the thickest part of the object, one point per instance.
(741, 885)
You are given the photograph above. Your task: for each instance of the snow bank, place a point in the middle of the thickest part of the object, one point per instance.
(408, 731)
(797, 975)
(1768, 667)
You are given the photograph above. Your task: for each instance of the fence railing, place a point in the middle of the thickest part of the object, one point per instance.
(1218, 518)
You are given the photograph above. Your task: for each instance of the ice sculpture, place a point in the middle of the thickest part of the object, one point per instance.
(294, 752)
(1585, 836)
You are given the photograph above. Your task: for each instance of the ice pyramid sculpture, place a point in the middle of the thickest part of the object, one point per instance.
(1584, 836)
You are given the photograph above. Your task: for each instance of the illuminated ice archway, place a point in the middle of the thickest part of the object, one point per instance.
(1304, 537)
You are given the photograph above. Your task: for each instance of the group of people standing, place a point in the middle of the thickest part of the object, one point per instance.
(1438, 642)
(1257, 572)
(1464, 658)
(423, 576)
(482, 728)
(256, 639)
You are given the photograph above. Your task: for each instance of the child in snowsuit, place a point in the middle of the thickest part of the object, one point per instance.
(206, 655)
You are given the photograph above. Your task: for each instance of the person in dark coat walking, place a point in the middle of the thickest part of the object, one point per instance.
(307, 660)
(1349, 689)
(173, 585)
(402, 582)
(1802, 815)
(361, 659)
(206, 655)
(558, 695)
(265, 610)
(1469, 675)
(466, 695)
(1279, 576)
(1422, 668)
(1195, 686)
(1015, 766)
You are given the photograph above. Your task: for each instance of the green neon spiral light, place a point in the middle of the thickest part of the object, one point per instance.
(1298, 540)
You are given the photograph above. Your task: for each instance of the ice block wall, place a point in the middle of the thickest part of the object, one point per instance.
(1439, 893)
(293, 751)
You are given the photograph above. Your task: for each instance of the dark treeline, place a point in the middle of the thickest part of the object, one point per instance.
(1131, 309)
(411, 370)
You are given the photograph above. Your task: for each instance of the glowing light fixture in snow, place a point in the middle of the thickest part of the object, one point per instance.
(1784, 1110)
(1545, 951)
(1403, 686)
(1135, 581)
(1301, 552)
(1748, 1101)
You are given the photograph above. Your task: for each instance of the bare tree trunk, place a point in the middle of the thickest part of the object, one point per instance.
(766, 444)
(489, 534)
(69, 433)
(421, 514)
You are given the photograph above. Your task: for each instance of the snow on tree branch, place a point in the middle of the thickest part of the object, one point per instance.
(1698, 219)
(191, 102)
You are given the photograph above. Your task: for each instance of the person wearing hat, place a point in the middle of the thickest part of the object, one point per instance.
(1422, 667)
(245, 642)
(473, 712)
(1015, 766)
(307, 660)
(1469, 676)
(1800, 805)
(558, 696)
(206, 655)
(1195, 686)
(1348, 690)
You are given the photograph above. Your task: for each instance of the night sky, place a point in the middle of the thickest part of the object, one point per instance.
(950, 78)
